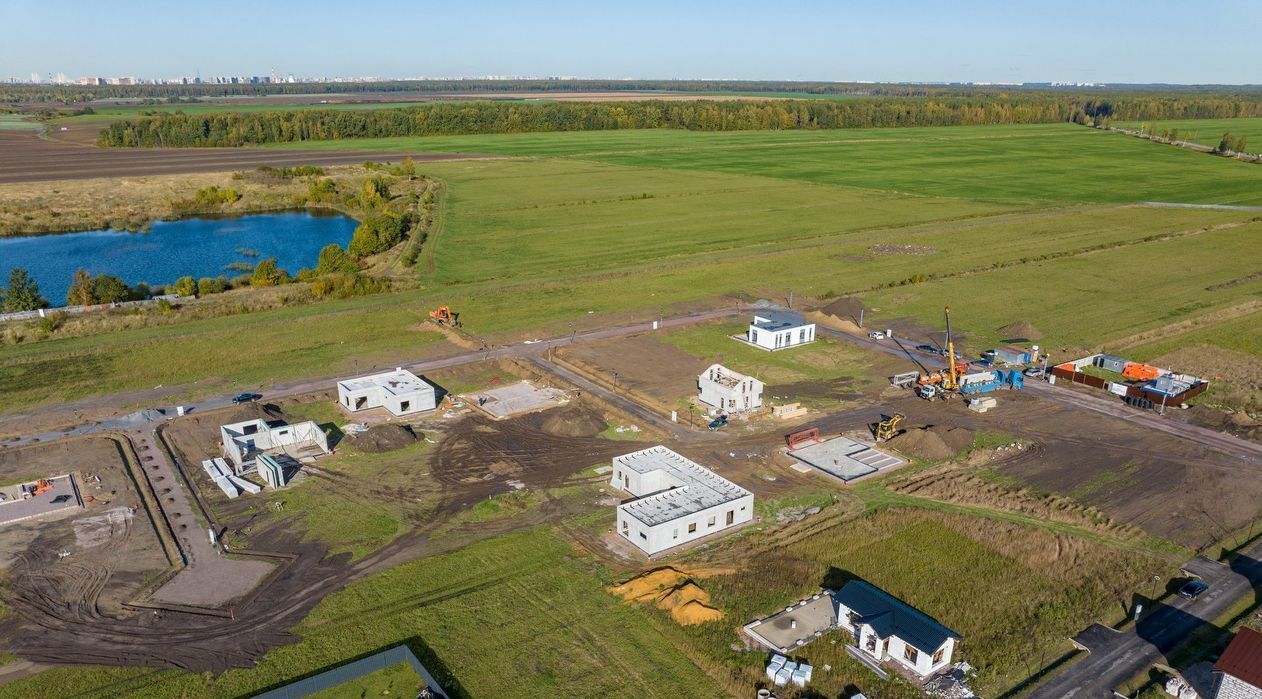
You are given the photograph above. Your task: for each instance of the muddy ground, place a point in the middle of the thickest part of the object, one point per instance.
(649, 368)
(25, 157)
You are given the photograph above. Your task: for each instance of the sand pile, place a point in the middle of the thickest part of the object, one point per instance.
(672, 590)
(932, 442)
(387, 437)
(1020, 330)
(845, 308)
(572, 421)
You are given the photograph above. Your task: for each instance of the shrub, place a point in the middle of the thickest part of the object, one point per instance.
(268, 274)
(206, 286)
(323, 190)
(334, 260)
(186, 286)
(379, 232)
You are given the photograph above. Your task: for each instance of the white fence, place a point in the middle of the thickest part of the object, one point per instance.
(45, 312)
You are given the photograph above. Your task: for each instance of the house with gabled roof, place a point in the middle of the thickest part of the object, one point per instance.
(886, 629)
(1238, 672)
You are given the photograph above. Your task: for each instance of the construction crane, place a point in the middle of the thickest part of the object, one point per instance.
(444, 316)
(888, 427)
(953, 382)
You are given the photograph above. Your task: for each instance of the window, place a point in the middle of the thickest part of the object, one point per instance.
(644, 536)
(675, 533)
(624, 525)
(710, 522)
(692, 528)
(742, 508)
(937, 657)
(731, 517)
(802, 335)
(910, 654)
(405, 406)
(753, 336)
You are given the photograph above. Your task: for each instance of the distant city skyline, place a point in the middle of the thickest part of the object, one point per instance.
(975, 41)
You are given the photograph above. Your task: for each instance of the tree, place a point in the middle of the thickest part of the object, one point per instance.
(268, 274)
(186, 286)
(206, 286)
(107, 288)
(334, 260)
(80, 292)
(379, 232)
(22, 294)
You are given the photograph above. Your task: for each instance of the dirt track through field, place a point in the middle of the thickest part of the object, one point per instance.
(26, 157)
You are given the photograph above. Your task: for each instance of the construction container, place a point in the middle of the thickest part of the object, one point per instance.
(1011, 354)
(1110, 363)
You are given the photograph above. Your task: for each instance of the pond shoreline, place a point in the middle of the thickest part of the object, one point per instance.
(314, 210)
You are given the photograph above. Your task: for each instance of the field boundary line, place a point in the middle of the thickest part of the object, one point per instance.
(1183, 327)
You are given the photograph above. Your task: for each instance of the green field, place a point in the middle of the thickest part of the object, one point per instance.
(1208, 131)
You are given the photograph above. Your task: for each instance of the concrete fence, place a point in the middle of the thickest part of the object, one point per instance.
(353, 671)
(74, 310)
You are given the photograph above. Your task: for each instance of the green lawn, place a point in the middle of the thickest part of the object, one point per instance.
(1209, 131)
(1047, 162)
(516, 616)
(394, 681)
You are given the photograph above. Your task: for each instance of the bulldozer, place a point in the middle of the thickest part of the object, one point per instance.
(888, 427)
(443, 315)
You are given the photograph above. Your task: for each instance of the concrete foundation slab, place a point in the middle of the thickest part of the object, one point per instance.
(519, 398)
(845, 458)
(16, 509)
(797, 625)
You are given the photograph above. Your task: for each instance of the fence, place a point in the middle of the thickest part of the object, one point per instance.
(74, 310)
(353, 671)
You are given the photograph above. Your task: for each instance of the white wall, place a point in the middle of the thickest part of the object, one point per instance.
(375, 397)
(780, 339)
(674, 533)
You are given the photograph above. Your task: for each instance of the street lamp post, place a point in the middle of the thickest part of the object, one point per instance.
(1155, 580)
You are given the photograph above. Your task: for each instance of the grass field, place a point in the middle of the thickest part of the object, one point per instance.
(1209, 131)
(517, 616)
(1039, 163)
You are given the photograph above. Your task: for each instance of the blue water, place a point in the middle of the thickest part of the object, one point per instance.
(195, 247)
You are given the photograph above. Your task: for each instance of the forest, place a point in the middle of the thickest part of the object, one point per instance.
(177, 129)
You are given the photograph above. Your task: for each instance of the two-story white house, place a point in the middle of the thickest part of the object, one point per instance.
(677, 500)
(779, 330)
(728, 390)
(887, 629)
(1238, 672)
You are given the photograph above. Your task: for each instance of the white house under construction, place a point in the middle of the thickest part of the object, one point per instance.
(400, 392)
(678, 500)
(728, 390)
(244, 442)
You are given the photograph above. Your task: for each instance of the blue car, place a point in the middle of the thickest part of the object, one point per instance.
(1192, 589)
(718, 422)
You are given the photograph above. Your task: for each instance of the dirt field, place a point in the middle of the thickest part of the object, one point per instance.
(650, 369)
(25, 157)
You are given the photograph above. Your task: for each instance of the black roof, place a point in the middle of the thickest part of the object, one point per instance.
(890, 616)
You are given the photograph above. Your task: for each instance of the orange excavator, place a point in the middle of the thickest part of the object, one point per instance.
(39, 487)
(444, 316)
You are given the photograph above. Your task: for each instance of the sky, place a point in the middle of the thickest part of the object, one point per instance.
(1212, 41)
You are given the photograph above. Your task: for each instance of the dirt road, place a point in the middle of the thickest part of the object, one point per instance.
(25, 157)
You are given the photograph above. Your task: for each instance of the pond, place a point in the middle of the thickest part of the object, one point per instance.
(194, 247)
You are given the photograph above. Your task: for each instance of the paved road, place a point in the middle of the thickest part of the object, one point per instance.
(1115, 657)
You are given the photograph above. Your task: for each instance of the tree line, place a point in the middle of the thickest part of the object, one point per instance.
(178, 129)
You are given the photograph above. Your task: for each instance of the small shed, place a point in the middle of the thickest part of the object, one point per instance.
(1011, 354)
(1110, 363)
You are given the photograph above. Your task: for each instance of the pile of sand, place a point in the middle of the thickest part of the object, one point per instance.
(671, 590)
(386, 437)
(932, 442)
(1020, 330)
(845, 308)
(572, 421)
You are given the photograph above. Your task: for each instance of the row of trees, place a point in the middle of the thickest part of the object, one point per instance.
(238, 129)
(1232, 143)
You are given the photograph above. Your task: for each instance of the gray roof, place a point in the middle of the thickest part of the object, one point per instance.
(890, 616)
(694, 488)
(778, 320)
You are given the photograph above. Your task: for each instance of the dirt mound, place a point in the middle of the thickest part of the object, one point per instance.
(672, 590)
(387, 437)
(1020, 330)
(932, 442)
(573, 421)
(845, 308)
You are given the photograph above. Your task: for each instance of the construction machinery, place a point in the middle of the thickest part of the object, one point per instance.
(444, 316)
(39, 487)
(887, 427)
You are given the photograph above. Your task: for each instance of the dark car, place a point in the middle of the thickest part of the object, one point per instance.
(718, 422)
(927, 348)
(1192, 589)
(60, 499)
(245, 398)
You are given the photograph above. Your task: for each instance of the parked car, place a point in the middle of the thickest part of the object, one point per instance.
(927, 348)
(718, 422)
(60, 499)
(1034, 372)
(245, 398)
(1192, 589)
(877, 335)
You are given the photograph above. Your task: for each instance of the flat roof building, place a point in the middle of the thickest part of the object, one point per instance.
(400, 392)
(244, 442)
(779, 330)
(677, 500)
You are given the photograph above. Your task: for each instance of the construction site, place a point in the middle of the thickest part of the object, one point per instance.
(211, 533)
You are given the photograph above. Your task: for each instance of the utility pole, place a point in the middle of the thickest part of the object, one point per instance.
(861, 310)
(790, 298)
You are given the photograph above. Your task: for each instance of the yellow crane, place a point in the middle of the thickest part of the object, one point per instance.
(952, 381)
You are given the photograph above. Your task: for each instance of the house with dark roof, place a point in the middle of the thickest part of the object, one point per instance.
(1238, 672)
(887, 629)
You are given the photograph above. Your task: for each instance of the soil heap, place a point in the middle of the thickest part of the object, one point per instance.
(384, 437)
(571, 421)
(1020, 330)
(845, 308)
(933, 442)
(670, 590)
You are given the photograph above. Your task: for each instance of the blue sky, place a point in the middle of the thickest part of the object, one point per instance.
(914, 40)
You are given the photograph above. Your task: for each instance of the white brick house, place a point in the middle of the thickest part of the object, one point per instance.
(728, 390)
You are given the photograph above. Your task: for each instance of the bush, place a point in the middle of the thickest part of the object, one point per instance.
(268, 274)
(379, 232)
(186, 286)
(334, 260)
(86, 290)
(346, 285)
(322, 191)
(206, 286)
